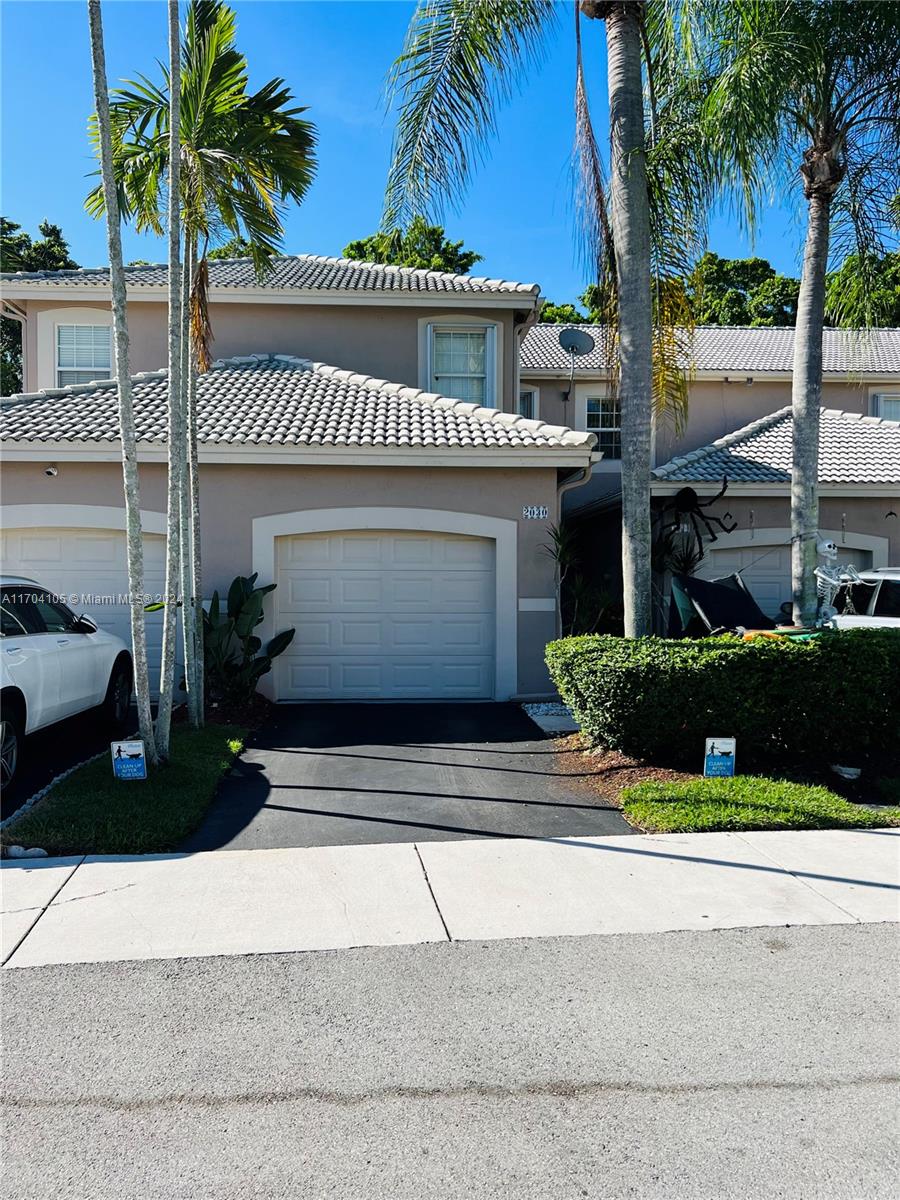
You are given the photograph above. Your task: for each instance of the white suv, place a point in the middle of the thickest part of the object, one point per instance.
(52, 666)
(876, 601)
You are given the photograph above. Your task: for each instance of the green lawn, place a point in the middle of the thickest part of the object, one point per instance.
(745, 802)
(90, 812)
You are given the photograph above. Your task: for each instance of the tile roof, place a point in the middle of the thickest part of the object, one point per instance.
(738, 349)
(852, 449)
(279, 400)
(303, 272)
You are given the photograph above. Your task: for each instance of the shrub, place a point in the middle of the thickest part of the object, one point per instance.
(745, 802)
(231, 650)
(782, 698)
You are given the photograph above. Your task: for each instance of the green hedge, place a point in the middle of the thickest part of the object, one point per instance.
(836, 695)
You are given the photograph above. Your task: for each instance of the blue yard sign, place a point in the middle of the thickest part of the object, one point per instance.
(129, 760)
(719, 757)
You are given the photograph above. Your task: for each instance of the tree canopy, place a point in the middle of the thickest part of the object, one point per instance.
(420, 245)
(20, 252)
(741, 291)
(236, 247)
(749, 291)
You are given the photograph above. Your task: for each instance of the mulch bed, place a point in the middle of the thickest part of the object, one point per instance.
(247, 715)
(604, 773)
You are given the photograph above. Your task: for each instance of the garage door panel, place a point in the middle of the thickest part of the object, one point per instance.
(337, 634)
(766, 570)
(395, 549)
(90, 569)
(397, 677)
(387, 591)
(386, 615)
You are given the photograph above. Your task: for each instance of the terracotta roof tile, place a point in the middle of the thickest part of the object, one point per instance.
(301, 272)
(266, 400)
(852, 449)
(738, 350)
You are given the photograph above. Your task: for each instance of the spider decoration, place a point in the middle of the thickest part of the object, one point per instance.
(686, 506)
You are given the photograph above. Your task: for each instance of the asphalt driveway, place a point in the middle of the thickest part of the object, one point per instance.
(339, 774)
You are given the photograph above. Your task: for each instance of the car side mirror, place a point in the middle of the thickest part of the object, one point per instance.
(84, 624)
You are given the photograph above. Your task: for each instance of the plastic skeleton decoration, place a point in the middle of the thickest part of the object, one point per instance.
(685, 511)
(830, 578)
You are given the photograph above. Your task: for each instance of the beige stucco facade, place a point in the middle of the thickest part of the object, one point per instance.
(385, 341)
(716, 407)
(854, 520)
(235, 496)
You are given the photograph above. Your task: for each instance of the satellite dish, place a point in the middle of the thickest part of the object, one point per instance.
(576, 342)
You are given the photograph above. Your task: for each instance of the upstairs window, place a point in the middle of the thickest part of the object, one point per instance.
(83, 353)
(604, 418)
(887, 405)
(528, 404)
(462, 363)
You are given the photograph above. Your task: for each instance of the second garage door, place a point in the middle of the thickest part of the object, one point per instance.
(766, 570)
(386, 615)
(90, 567)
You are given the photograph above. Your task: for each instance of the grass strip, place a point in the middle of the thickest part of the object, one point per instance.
(744, 802)
(90, 812)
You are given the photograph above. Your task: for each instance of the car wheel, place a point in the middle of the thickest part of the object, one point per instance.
(11, 734)
(118, 696)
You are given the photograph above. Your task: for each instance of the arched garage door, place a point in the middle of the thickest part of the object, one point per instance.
(386, 615)
(766, 569)
(90, 562)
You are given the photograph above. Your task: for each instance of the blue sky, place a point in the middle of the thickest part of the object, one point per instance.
(334, 55)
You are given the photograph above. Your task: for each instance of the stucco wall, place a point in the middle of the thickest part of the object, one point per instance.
(231, 496)
(378, 341)
(856, 514)
(716, 407)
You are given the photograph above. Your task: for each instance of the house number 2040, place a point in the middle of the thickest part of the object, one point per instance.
(535, 512)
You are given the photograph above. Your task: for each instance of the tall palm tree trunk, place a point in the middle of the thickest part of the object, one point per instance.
(187, 586)
(631, 241)
(126, 407)
(196, 559)
(176, 407)
(806, 399)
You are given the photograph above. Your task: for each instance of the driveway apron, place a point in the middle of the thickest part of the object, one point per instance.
(352, 774)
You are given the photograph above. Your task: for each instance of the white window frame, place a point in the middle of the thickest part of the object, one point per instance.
(536, 392)
(47, 339)
(875, 402)
(94, 372)
(463, 323)
(594, 394)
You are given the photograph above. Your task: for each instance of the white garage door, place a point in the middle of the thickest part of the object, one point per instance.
(386, 615)
(766, 570)
(90, 563)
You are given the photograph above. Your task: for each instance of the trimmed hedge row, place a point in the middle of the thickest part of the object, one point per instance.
(837, 695)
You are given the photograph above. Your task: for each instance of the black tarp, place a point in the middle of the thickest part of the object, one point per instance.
(700, 606)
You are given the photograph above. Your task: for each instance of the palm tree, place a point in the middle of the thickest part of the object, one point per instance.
(244, 155)
(460, 61)
(176, 501)
(126, 408)
(810, 89)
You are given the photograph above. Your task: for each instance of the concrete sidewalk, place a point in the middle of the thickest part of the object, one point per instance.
(101, 909)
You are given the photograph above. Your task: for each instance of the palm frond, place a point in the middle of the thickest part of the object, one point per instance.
(461, 60)
(593, 224)
(200, 327)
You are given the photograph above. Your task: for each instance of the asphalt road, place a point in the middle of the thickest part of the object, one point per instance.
(743, 1063)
